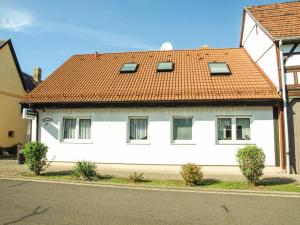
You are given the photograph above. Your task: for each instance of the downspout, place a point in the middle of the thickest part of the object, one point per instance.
(285, 115)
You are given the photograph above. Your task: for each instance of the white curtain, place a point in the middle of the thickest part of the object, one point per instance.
(84, 128)
(243, 129)
(224, 129)
(69, 128)
(138, 129)
(182, 129)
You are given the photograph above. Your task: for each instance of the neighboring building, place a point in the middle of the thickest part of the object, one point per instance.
(156, 107)
(14, 84)
(271, 36)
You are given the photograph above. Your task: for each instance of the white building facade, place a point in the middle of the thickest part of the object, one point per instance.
(156, 135)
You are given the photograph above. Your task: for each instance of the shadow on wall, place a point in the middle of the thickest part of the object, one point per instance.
(50, 127)
(294, 133)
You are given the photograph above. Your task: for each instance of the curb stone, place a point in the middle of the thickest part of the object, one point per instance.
(153, 188)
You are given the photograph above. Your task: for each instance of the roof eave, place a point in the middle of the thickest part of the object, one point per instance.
(218, 102)
(287, 39)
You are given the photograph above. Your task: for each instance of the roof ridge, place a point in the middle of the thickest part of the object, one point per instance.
(153, 51)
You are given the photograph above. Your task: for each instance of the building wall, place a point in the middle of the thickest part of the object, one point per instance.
(11, 91)
(260, 48)
(110, 133)
(293, 60)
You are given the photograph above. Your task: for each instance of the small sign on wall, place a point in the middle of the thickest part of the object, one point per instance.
(28, 114)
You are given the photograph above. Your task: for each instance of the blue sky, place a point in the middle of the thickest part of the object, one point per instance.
(46, 33)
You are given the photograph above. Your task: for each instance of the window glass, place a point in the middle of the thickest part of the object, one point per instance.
(218, 68)
(69, 126)
(128, 67)
(84, 129)
(224, 129)
(243, 128)
(182, 129)
(138, 129)
(164, 66)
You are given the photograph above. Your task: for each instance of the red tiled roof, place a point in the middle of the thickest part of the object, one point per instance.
(279, 19)
(96, 78)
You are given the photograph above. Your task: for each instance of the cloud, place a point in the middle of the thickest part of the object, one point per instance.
(95, 35)
(15, 20)
(21, 20)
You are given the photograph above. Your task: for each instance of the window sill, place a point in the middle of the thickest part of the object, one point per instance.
(235, 142)
(190, 142)
(136, 142)
(76, 142)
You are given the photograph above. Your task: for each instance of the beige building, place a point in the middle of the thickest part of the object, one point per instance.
(14, 84)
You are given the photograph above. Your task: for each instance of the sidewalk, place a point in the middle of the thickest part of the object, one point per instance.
(9, 167)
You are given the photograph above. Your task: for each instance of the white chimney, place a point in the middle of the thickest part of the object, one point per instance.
(37, 74)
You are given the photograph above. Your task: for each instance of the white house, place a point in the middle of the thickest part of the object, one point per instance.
(271, 36)
(156, 107)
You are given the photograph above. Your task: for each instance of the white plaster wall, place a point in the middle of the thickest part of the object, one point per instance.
(257, 44)
(109, 136)
(293, 60)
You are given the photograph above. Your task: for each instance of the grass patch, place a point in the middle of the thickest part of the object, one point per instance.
(267, 184)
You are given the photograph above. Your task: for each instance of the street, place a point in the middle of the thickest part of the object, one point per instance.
(26, 202)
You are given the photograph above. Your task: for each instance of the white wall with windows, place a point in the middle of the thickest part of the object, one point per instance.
(203, 135)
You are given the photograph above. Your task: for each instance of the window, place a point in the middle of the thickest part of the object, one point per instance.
(165, 66)
(224, 129)
(243, 128)
(292, 74)
(129, 68)
(235, 128)
(69, 128)
(11, 133)
(76, 129)
(182, 129)
(138, 129)
(84, 129)
(218, 68)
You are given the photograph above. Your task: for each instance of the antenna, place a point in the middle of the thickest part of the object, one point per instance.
(166, 46)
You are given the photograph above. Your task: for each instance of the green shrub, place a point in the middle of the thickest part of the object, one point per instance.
(35, 154)
(136, 177)
(85, 171)
(251, 160)
(191, 174)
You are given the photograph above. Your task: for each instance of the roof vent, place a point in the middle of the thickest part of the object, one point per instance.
(166, 46)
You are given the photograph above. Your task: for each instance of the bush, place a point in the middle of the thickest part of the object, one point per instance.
(136, 177)
(251, 160)
(191, 174)
(35, 154)
(85, 171)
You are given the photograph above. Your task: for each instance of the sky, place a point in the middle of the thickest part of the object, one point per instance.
(46, 33)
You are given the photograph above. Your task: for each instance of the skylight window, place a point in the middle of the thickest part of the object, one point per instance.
(218, 68)
(165, 66)
(129, 68)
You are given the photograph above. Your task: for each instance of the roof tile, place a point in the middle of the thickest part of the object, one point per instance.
(96, 78)
(281, 20)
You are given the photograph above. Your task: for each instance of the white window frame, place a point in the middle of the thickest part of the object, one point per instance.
(182, 142)
(233, 130)
(76, 139)
(133, 141)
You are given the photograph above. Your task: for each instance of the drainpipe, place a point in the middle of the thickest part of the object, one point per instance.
(285, 115)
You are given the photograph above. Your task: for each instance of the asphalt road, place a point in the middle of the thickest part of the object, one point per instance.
(25, 202)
